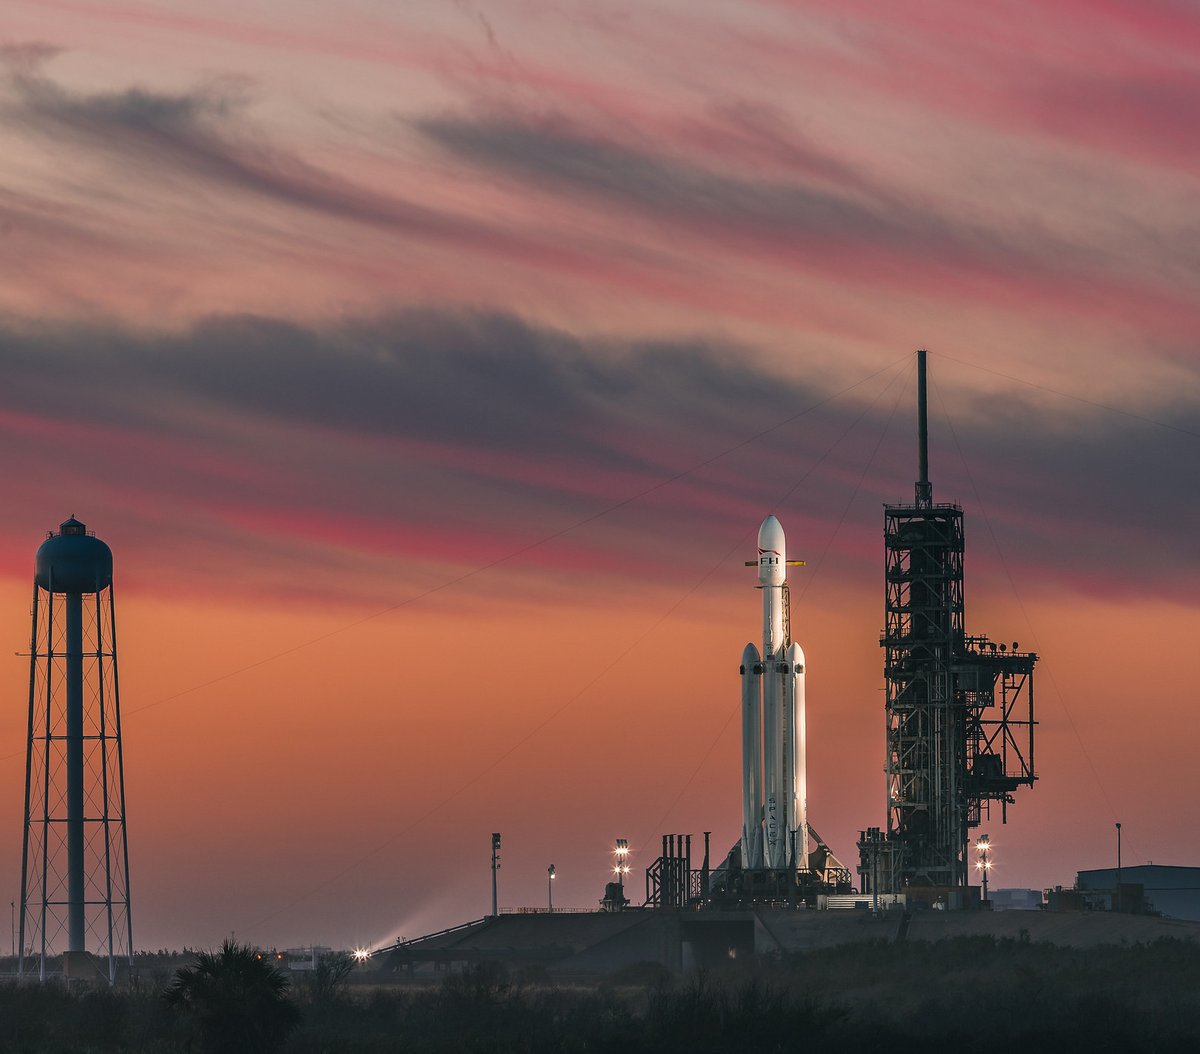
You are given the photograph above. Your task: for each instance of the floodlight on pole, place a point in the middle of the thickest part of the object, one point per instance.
(621, 867)
(984, 864)
(550, 876)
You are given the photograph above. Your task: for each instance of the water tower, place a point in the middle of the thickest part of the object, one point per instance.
(74, 856)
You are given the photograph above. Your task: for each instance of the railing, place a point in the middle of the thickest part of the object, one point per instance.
(548, 911)
(430, 936)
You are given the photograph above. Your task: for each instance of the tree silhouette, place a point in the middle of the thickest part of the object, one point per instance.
(326, 981)
(236, 999)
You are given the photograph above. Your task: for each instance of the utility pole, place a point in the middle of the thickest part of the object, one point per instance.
(495, 868)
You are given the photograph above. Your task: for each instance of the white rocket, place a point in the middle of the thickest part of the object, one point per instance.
(774, 780)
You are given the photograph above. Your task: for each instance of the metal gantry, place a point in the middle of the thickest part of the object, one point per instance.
(925, 730)
(959, 708)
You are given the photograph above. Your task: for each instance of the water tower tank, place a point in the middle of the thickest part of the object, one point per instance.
(73, 561)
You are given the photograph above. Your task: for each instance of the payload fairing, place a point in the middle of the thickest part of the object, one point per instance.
(774, 780)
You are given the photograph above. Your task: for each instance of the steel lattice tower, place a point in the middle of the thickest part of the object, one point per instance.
(959, 709)
(75, 857)
(922, 636)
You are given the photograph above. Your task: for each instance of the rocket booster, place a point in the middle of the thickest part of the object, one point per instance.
(774, 781)
(752, 785)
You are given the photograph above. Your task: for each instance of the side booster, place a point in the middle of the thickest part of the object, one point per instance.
(774, 780)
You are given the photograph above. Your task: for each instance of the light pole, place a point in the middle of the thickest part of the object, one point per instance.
(495, 868)
(550, 888)
(1117, 898)
(984, 864)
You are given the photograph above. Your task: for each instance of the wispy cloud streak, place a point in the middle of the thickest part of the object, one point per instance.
(405, 423)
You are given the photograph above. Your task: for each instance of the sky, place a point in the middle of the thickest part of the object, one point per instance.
(429, 368)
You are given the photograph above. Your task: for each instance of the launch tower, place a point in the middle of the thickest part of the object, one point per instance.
(74, 857)
(959, 708)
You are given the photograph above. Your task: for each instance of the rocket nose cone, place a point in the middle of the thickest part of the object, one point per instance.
(770, 536)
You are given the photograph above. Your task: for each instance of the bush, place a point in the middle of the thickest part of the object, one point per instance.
(234, 999)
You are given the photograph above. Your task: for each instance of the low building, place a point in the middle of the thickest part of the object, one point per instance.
(1016, 899)
(1171, 891)
(301, 959)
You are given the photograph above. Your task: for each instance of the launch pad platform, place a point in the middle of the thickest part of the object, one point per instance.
(592, 945)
